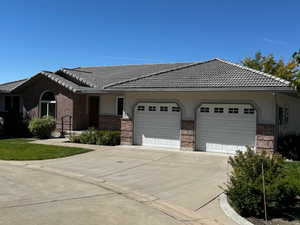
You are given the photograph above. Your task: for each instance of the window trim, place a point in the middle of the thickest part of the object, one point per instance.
(117, 107)
(47, 102)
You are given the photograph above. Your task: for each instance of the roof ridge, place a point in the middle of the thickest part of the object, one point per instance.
(49, 75)
(150, 64)
(65, 70)
(255, 71)
(156, 73)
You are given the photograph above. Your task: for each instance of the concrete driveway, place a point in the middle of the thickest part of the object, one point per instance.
(164, 187)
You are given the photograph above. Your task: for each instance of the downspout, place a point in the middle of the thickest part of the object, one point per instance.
(276, 126)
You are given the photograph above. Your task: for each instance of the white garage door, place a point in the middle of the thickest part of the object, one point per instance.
(225, 128)
(157, 124)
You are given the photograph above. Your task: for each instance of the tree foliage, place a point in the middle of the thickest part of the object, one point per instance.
(268, 64)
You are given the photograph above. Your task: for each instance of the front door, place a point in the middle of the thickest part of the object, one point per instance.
(94, 111)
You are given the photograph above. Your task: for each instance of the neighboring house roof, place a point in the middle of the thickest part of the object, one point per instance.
(215, 74)
(8, 87)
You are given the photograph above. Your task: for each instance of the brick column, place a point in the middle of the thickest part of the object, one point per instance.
(265, 137)
(126, 132)
(187, 135)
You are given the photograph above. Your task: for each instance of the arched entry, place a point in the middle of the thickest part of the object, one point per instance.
(48, 104)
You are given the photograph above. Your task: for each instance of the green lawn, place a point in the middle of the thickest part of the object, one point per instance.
(22, 149)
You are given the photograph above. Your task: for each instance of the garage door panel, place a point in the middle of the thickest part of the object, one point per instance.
(156, 128)
(225, 131)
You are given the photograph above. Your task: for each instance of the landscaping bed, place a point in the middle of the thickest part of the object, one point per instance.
(22, 149)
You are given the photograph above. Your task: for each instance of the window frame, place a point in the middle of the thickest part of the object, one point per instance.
(48, 102)
(117, 105)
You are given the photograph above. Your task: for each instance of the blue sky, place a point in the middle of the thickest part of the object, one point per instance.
(49, 34)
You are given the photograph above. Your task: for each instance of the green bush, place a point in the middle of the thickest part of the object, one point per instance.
(245, 188)
(42, 127)
(93, 136)
(289, 146)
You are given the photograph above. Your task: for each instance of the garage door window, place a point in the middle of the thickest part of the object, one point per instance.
(175, 109)
(219, 110)
(233, 110)
(164, 108)
(141, 108)
(204, 109)
(152, 108)
(248, 111)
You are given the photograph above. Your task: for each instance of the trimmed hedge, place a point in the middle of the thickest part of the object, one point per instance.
(42, 127)
(289, 146)
(97, 137)
(245, 188)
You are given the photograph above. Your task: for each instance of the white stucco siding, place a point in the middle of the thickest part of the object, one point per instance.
(189, 101)
(293, 105)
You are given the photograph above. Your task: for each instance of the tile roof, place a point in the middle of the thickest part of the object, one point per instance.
(98, 77)
(212, 74)
(195, 76)
(7, 87)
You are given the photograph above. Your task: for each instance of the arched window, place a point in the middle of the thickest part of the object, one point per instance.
(48, 104)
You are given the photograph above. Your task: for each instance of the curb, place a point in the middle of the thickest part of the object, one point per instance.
(231, 213)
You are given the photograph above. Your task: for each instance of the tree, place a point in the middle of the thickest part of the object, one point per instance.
(268, 64)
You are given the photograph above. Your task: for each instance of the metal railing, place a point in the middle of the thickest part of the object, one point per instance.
(63, 123)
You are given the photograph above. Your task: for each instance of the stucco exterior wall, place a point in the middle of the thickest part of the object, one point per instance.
(108, 104)
(293, 105)
(264, 102)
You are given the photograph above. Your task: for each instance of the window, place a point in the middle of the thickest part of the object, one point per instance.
(141, 108)
(175, 109)
(164, 108)
(249, 111)
(233, 110)
(48, 105)
(12, 103)
(120, 105)
(152, 108)
(283, 116)
(218, 110)
(204, 109)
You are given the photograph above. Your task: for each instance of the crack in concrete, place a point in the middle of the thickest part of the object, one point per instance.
(57, 200)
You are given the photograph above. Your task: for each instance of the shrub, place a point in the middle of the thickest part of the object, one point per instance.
(74, 139)
(289, 146)
(245, 189)
(42, 127)
(93, 136)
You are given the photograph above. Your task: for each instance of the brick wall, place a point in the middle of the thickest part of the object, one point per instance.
(107, 122)
(32, 92)
(126, 132)
(265, 137)
(187, 135)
